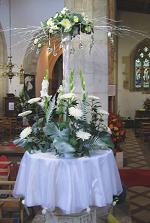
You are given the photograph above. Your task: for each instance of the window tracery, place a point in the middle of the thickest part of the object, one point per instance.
(141, 73)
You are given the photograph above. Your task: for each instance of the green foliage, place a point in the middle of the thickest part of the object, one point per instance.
(83, 85)
(70, 126)
(22, 102)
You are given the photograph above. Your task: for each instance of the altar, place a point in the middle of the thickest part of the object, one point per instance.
(72, 185)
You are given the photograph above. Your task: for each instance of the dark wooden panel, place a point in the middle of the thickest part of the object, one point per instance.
(140, 6)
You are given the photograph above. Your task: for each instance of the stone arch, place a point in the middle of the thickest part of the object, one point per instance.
(3, 61)
(33, 63)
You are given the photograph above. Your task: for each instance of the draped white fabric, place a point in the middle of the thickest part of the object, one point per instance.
(70, 184)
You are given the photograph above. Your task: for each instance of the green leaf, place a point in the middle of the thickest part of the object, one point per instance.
(50, 109)
(71, 81)
(63, 147)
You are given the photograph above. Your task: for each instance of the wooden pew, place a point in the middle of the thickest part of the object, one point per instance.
(145, 130)
(8, 203)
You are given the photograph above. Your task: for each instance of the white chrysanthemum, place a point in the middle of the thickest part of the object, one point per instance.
(66, 24)
(36, 41)
(50, 22)
(75, 112)
(83, 135)
(34, 100)
(93, 97)
(67, 96)
(27, 131)
(103, 112)
(23, 114)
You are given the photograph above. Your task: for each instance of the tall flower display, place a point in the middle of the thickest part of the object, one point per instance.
(64, 22)
(70, 126)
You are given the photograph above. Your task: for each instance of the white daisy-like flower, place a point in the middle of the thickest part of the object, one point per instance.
(83, 135)
(67, 96)
(50, 22)
(34, 100)
(103, 112)
(27, 131)
(36, 41)
(93, 97)
(75, 112)
(23, 114)
(66, 24)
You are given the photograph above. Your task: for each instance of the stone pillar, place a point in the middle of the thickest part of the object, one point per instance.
(95, 64)
(3, 81)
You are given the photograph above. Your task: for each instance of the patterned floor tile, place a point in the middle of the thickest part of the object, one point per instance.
(139, 196)
(142, 216)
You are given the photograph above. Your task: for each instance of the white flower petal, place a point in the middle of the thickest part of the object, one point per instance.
(83, 135)
(33, 100)
(93, 97)
(23, 114)
(27, 131)
(67, 96)
(75, 112)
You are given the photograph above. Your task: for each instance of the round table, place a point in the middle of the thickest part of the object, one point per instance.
(69, 184)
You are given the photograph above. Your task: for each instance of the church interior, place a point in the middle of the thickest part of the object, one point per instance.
(115, 61)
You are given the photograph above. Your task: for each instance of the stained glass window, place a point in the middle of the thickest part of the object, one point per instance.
(142, 66)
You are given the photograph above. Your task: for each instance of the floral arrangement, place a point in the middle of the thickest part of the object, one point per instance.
(64, 22)
(70, 126)
(147, 104)
(116, 126)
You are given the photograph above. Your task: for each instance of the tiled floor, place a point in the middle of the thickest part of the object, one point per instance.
(137, 155)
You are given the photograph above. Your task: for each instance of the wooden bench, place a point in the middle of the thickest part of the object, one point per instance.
(145, 130)
(8, 203)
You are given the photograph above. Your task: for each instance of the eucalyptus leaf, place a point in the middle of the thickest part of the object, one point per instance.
(63, 147)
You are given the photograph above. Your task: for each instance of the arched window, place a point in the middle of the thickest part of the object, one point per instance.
(141, 71)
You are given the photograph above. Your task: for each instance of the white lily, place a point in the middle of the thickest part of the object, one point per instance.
(26, 132)
(34, 100)
(23, 114)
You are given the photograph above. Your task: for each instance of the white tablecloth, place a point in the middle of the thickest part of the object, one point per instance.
(70, 184)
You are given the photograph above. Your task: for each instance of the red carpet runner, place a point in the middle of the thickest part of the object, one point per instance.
(135, 177)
